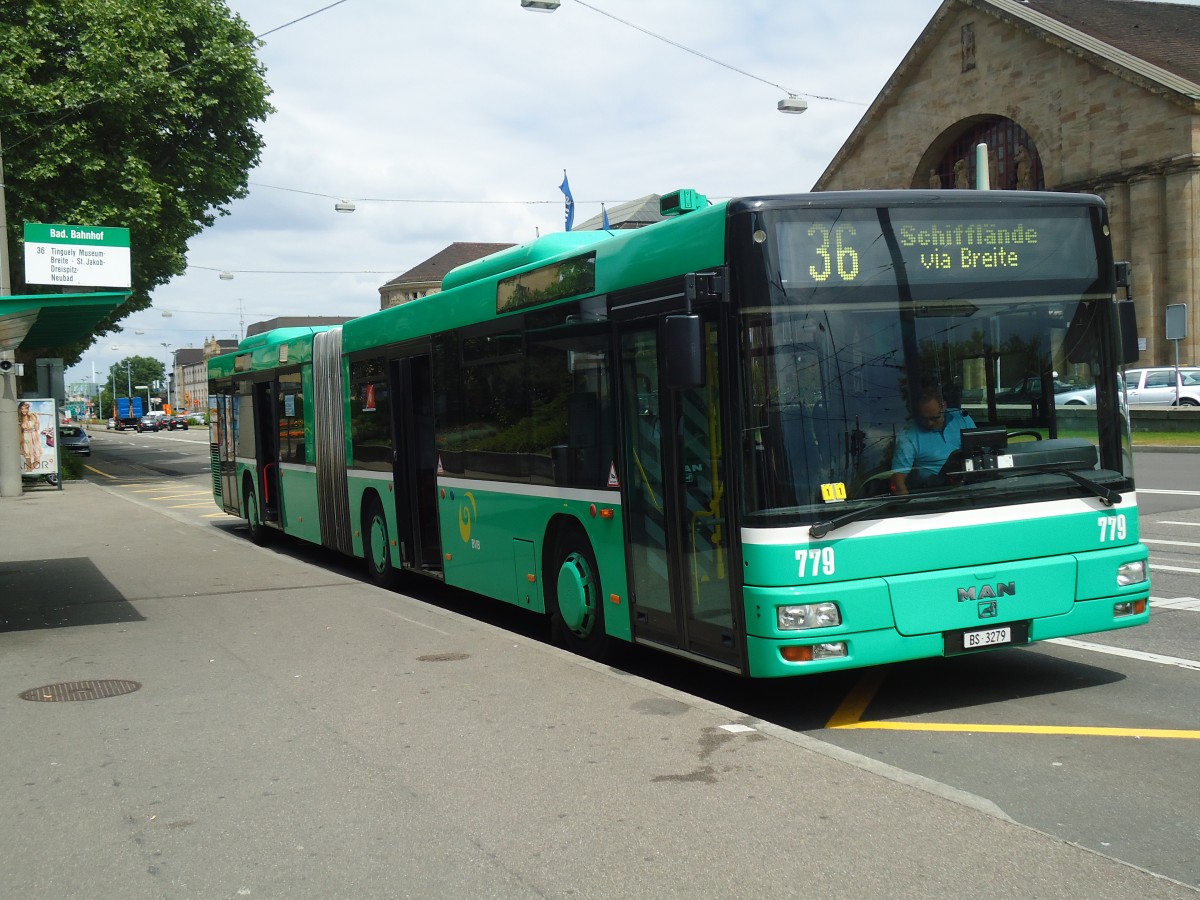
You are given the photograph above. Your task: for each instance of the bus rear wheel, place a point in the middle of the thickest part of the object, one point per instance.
(258, 531)
(377, 547)
(576, 603)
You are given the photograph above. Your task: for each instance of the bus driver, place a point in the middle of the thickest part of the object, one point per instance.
(924, 446)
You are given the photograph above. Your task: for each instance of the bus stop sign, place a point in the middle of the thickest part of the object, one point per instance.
(1176, 321)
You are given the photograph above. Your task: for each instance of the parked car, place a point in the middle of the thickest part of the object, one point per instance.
(1076, 397)
(1029, 389)
(1158, 386)
(75, 439)
(149, 423)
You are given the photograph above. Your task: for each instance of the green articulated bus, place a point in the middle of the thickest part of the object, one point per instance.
(710, 435)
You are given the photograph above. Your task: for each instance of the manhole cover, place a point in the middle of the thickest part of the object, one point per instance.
(443, 657)
(80, 690)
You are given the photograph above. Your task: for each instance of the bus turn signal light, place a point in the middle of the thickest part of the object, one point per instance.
(812, 652)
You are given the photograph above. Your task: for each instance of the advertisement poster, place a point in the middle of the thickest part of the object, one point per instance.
(39, 438)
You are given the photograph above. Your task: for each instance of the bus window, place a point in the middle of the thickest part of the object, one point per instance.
(370, 415)
(289, 408)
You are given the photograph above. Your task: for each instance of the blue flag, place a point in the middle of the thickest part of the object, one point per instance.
(570, 204)
(604, 214)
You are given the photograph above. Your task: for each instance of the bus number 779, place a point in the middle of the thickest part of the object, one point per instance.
(814, 562)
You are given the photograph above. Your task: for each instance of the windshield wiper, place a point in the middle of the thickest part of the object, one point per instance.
(1106, 494)
(818, 530)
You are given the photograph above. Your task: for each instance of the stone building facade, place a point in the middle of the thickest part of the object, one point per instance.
(1099, 96)
(426, 277)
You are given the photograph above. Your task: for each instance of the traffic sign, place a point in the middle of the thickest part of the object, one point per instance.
(81, 255)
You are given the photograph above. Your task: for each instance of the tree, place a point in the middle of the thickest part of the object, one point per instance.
(123, 375)
(131, 113)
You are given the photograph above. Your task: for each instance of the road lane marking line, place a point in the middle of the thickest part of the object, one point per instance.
(1079, 730)
(1158, 567)
(205, 505)
(849, 715)
(1128, 654)
(98, 472)
(1171, 543)
(1169, 522)
(1175, 603)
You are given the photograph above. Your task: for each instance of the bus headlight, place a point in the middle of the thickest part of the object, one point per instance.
(808, 615)
(1131, 573)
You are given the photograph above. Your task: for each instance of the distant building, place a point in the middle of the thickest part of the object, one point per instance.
(1099, 96)
(630, 214)
(426, 278)
(190, 374)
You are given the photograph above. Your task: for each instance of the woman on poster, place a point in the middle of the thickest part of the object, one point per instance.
(31, 438)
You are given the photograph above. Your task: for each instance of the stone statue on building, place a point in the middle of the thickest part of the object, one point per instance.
(1024, 169)
(962, 177)
(935, 180)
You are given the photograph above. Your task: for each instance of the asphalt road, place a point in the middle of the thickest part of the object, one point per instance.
(1095, 740)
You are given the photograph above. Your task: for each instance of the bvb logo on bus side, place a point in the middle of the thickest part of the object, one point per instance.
(467, 515)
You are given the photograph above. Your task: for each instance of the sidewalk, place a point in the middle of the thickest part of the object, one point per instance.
(299, 734)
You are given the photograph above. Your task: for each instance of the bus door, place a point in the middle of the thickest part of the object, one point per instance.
(266, 440)
(415, 464)
(674, 499)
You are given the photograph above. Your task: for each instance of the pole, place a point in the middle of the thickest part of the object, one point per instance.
(10, 435)
(1178, 377)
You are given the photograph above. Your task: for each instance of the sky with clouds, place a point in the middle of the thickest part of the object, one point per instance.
(477, 106)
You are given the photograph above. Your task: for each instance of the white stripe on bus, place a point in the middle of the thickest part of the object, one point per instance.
(908, 524)
(545, 491)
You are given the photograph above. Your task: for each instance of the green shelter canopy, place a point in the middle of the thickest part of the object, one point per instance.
(50, 320)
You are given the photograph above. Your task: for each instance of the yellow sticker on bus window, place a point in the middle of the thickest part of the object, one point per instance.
(833, 493)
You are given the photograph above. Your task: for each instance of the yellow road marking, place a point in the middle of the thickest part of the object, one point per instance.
(190, 506)
(1084, 730)
(97, 471)
(857, 701)
(849, 715)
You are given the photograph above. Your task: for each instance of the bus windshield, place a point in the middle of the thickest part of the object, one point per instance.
(961, 355)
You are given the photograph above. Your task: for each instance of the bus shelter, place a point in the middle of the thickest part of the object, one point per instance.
(30, 321)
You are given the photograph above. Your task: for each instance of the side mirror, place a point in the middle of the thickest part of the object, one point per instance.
(683, 337)
(1127, 319)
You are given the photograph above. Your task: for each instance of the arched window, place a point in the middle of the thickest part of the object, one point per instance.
(1013, 160)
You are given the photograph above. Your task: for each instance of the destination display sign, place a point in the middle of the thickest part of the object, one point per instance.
(77, 255)
(858, 247)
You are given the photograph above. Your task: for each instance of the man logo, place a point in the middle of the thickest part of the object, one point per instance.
(987, 609)
(987, 592)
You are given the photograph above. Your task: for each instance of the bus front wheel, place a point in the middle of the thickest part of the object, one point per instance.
(576, 602)
(377, 546)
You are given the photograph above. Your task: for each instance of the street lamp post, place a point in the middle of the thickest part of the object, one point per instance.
(169, 377)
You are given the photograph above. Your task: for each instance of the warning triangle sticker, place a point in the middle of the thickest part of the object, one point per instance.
(440, 471)
(612, 475)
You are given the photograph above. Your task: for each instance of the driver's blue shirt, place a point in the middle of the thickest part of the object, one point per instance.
(927, 451)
